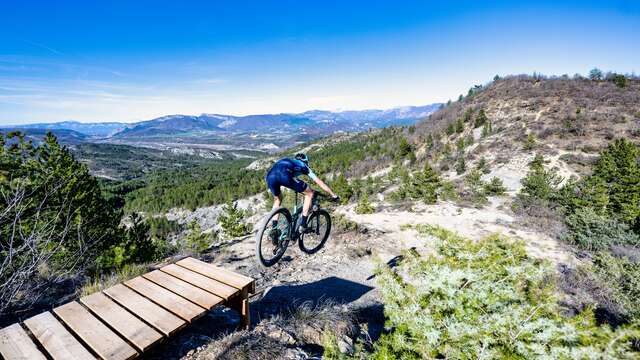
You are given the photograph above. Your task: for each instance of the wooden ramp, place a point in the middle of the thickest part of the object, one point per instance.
(125, 320)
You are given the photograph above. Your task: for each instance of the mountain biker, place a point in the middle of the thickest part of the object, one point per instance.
(285, 173)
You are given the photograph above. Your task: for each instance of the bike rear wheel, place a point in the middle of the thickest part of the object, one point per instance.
(271, 242)
(319, 225)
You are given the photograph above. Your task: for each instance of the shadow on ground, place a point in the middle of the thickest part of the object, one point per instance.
(276, 300)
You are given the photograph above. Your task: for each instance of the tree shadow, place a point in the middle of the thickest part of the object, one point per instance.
(277, 301)
(334, 289)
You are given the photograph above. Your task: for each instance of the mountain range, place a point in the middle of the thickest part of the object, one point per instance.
(314, 122)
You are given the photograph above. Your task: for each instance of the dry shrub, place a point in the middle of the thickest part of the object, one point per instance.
(243, 345)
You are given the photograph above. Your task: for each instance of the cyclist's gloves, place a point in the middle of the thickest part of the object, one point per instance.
(336, 199)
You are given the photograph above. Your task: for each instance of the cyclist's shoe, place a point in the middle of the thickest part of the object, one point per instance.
(274, 235)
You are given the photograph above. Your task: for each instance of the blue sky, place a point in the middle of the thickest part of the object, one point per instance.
(136, 60)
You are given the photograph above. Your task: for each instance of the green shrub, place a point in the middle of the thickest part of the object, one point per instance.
(622, 278)
(342, 188)
(422, 185)
(494, 187)
(459, 126)
(482, 166)
(451, 128)
(461, 165)
(539, 184)
(136, 246)
(196, 240)
(619, 168)
(364, 205)
(487, 129)
(485, 299)
(530, 142)
(448, 191)
(404, 148)
(591, 231)
(620, 80)
(481, 119)
(232, 221)
(476, 187)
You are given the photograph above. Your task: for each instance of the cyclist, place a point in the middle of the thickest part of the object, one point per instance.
(285, 173)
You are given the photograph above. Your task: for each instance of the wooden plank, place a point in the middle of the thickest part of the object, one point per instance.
(213, 286)
(15, 344)
(54, 337)
(94, 333)
(153, 314)
(236, 280)
(194, 294)
(165, 298)
(141, 335)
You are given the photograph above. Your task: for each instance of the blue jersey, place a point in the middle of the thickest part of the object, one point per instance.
(285, 172)
(294, 167)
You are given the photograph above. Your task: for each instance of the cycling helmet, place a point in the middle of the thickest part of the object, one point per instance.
(302, 157)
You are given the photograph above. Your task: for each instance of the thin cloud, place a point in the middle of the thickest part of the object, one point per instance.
(45, 47)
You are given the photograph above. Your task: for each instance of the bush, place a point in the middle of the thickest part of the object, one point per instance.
(448, 191)
(197, 241)
(530, 142)
(461, 165)
(137, 246)
(595, 74)
(487, 129)
(495, 187)
(539, 184)
(232, 221)
(342, 188)
(481, 119)
(477, 187)
(423, 185)
(364, 205)
(619, 169)
(482, 166)
(620, 80)
(622, 279)
(591, 231)
(485, 299)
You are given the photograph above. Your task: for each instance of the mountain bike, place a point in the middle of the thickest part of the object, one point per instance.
(272, 241)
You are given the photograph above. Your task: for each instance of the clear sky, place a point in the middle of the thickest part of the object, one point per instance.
(137, 59)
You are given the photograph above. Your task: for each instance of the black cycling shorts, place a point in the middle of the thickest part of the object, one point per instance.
(279, 176)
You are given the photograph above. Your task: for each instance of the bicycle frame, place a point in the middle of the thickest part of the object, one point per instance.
(297, 211)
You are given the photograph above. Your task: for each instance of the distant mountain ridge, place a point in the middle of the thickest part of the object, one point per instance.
(266, 132)
(310, 121)
(104, 129)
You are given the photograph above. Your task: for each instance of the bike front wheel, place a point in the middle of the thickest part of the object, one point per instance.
(272, 241)
(319, 225)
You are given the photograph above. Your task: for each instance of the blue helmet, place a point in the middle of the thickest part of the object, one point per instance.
(302, 157)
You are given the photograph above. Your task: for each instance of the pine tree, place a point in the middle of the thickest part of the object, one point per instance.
(461, 165)
(423, 185)
(364, 205)
(232, 221)
(459, 126)
(481, 119)
(539, 184)
(619, 169)
(595, 74)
